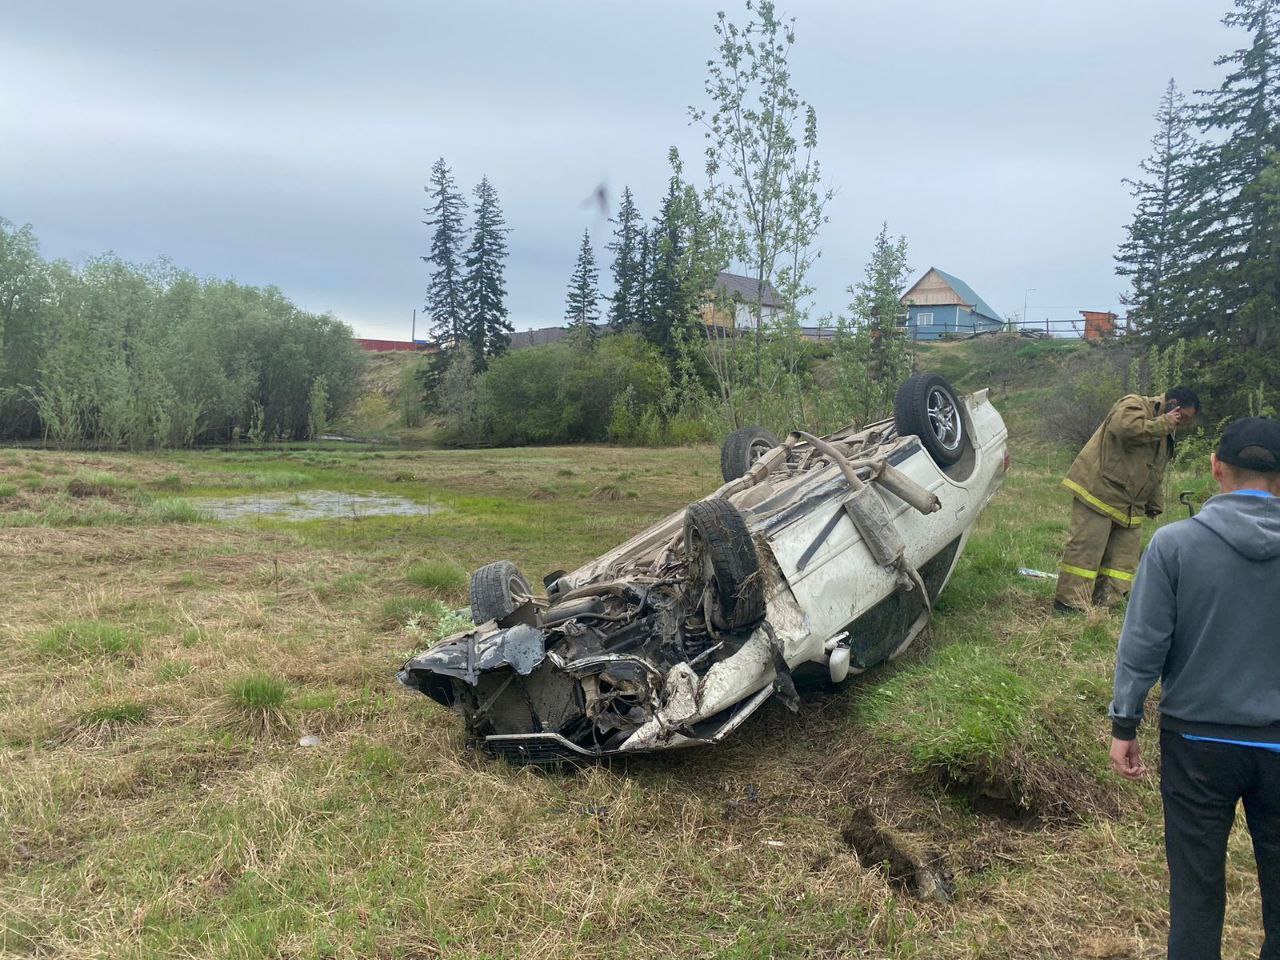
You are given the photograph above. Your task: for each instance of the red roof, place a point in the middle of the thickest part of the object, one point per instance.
(381, 346)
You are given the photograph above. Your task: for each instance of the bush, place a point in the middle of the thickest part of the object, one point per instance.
(371, 414)
(1087, 384)
(566, 393)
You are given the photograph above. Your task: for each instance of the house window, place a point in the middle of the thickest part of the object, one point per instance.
(923, 318)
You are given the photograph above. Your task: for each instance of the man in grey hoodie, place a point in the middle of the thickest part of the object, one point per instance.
(1204, 619)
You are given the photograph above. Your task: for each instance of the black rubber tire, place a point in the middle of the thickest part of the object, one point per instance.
(714, 529)
(742, 448)
(928, 407)
(493, 591)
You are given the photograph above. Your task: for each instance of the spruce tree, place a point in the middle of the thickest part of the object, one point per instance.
(1237, 277)
(666, 287)
(627, 269)
(1154, 254)
(684, 259)
(877, 305)
(446, 300)
(644, 276)
(582, 306)
(487, 328)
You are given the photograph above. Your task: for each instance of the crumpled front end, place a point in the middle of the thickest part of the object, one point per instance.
(576, 691)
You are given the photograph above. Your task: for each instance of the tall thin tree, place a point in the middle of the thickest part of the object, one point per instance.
(487, 328)
(582, 305)
(752, 146)
(446, 300)
(627, 267)
(1154, 254)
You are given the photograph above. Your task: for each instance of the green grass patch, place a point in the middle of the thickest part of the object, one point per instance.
(271, 479)
(962, 708)
(7, 490)
(173, 510)
(258, 691)
(76, 513)
(118, 713)
(440, 575)
(401, 611)
(87, 639)
(172, 670)
(256, 704)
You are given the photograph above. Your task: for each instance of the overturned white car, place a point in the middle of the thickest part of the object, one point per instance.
(823, 553)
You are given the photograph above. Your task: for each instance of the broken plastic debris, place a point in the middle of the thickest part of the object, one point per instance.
(1036, 574)
(310, 740)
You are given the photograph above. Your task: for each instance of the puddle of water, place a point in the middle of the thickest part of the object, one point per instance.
(313, 505)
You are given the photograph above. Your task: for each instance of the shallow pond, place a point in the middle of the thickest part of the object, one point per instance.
(312, 505)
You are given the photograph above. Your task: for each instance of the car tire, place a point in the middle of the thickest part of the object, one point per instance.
(742, 448)
(927, 406)
(497, 590)
(718, 544)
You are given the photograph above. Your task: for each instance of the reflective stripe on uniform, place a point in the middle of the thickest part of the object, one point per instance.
(1105, 508)
(1079, 571)
(1115, 574)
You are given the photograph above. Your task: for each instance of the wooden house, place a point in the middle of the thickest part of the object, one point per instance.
(731, 304)
(940, 305)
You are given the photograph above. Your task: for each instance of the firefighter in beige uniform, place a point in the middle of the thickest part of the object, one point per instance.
(1116, 481)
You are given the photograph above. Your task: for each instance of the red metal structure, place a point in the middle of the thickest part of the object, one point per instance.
(383, 346)
(1098, 324)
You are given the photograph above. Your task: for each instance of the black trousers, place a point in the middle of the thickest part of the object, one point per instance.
(1200, 784)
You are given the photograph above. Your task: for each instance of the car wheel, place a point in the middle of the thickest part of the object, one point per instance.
(927, 406)
(742, 449)
(721, 552)
(497, 590)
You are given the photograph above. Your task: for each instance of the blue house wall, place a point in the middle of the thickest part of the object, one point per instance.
(947, 320)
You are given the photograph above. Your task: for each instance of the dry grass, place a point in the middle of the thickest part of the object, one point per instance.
(154, 807)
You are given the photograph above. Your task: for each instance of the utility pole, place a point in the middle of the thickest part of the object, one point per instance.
(1028, 293)
(413, 331)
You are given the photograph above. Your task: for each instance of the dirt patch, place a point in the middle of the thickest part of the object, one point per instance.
(921, 872)
(1027, 790)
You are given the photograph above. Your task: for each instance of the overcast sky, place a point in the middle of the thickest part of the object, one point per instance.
(287, 142)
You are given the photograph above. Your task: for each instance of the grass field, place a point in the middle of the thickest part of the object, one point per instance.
(160, 669)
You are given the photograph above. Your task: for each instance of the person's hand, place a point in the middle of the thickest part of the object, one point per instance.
(1126, 759)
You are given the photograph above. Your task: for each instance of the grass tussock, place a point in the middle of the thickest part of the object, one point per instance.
(103, 722)
(607, 493)
(442, 576)
(87, 640)
(173, 510)
(256, 704)
(8, 490)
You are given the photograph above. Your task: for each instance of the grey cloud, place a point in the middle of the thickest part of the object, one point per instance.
(288, 142)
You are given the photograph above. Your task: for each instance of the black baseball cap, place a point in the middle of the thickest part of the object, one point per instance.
(1251, 443)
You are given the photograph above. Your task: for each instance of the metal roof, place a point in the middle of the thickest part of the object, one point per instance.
(965, 292)
(744, 289)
